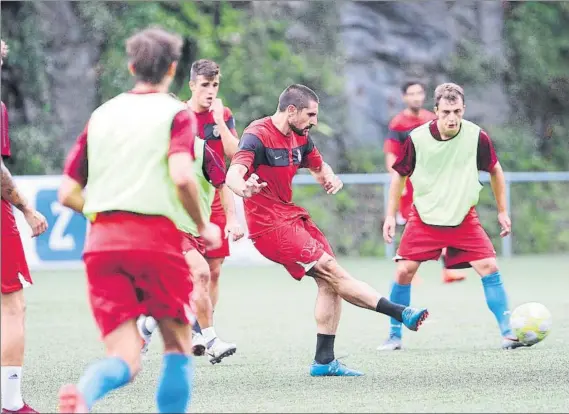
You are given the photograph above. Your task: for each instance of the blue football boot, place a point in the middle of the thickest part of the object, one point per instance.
(413, 317)
(333, 369)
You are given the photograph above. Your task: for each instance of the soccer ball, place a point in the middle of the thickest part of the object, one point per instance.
(531, 323)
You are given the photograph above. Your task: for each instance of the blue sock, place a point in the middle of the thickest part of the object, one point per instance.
(497, 301)
(196, 327)
(175, 386)
(102, 377)
(400, 294)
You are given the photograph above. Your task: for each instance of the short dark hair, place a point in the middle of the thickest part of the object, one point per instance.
(204, 67)
(298, 96)
(450, 92)
(151, 52)
(410, 83)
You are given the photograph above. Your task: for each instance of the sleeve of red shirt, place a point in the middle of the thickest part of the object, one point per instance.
(251, 148)
(312, 159)
(486, 158)
(77, 164)
(405, 163)
(229, 120)
(183, 132)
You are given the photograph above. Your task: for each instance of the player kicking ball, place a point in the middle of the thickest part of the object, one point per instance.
(271, 151)
(215, 138)
(444, 157)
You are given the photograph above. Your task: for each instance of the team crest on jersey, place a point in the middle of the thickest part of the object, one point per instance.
(215, 131)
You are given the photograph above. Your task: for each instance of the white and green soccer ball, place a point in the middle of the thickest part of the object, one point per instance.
(531, 322)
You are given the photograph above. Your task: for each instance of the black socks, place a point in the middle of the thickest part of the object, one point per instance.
(324, 348)
(390, 309)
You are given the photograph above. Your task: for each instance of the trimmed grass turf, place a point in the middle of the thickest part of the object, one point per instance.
(453, 364)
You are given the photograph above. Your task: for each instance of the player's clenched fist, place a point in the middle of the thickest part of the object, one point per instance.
(217, 109)
(389, 229)
(211, 235)
(253, 186)
(36, 221)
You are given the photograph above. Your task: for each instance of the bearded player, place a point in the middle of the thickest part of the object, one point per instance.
(216, 138)
(15, 277)
(136, 155)
(444, 158)
(272, 149)
(413, 116)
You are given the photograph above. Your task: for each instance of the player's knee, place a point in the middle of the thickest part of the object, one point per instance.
(327, 268)
(201, 278)
(486, 266)
(405, 272)
(13, 304)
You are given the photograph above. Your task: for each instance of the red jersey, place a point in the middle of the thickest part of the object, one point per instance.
(8, 225)
(401, 125)
(275, 158)
(150, 232)
(207, 130)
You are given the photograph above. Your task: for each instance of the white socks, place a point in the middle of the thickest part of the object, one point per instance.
(209, 334)
(12, 388)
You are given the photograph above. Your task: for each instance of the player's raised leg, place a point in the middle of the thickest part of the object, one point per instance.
(361, 294)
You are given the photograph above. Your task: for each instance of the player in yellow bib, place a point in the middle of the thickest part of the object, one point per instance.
(444, 157)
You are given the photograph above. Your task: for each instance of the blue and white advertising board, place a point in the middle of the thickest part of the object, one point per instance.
(61, 246)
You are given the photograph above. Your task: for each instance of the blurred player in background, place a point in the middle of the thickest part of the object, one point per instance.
(272, 149)
(136, 156)
(444, 158)
(15, 277)
(216, 138)
(413, 116)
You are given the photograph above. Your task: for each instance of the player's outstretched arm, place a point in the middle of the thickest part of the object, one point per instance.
(70, 194)
(498, 183)
(10, 193)
(326, 177)
(238, 185)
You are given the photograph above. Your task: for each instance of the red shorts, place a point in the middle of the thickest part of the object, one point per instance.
(297, 246)
(127, 283)
(220, 220)
(190, 242)
(15, 272)
(465, 243)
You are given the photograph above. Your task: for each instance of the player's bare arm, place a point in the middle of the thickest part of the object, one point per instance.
(390, 159)
(326, 177)
(498, 183)
(239, 186)
(395, 190)
(232, 227)
(70, 194)
(230, 141)
(10, 192)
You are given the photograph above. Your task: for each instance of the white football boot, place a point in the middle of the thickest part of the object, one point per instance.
(218, 349)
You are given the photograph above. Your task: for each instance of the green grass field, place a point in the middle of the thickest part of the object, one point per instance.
(453, 364)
